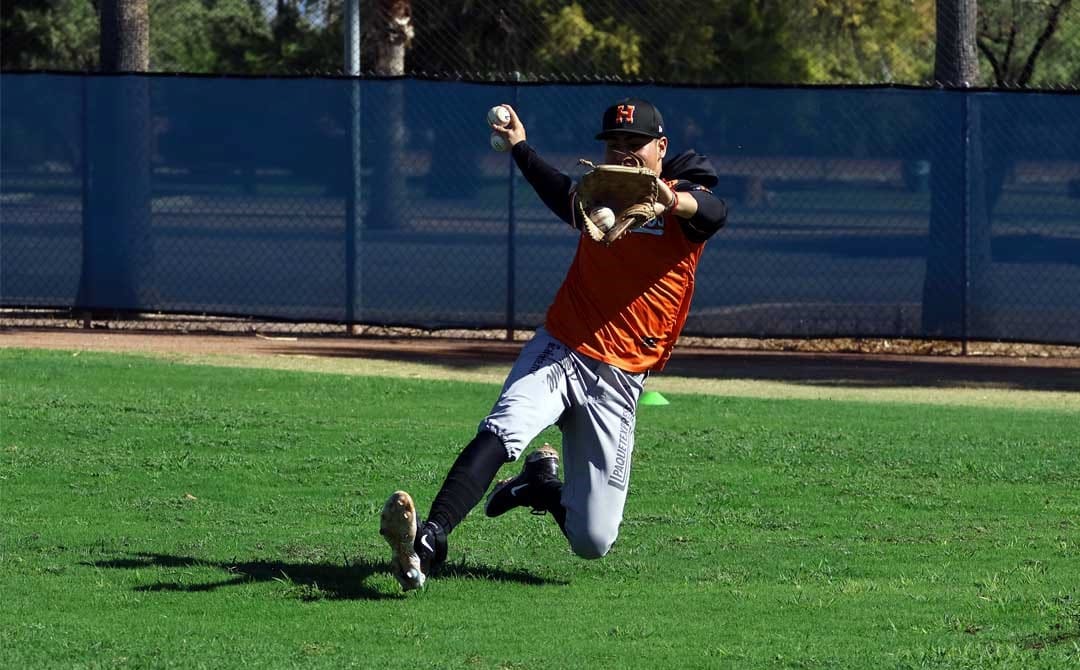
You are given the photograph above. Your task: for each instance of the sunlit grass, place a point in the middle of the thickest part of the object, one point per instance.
(163, 515)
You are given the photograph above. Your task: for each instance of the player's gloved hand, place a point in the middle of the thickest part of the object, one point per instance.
(629, 192)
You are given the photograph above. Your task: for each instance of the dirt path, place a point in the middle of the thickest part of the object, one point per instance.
(1052, 383)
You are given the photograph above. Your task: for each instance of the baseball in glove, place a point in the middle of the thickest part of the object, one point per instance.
(629, 190)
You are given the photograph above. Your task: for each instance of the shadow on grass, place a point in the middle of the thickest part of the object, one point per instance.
(808, 369)
(308, 581)
(1058, 637)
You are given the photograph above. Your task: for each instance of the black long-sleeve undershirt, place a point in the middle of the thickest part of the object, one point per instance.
(711, 214)
(555, 188)
(552, 186)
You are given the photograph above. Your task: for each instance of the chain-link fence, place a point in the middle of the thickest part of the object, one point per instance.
(1034, 43)
(834, 231)
(248, 210)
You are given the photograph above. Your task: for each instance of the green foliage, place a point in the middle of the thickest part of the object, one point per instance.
(1061, 67)
(196, 36)
(687, 41)
(49, 35)
(869, 40)
(237, 36)
(754, 42)
(299, 44)
(1010, 32)
(614, 47)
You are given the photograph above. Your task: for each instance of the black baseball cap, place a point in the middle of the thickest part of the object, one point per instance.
(632, 116)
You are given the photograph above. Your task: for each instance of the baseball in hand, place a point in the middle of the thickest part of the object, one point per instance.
(603, 217)
(499, 143)
(498, 116)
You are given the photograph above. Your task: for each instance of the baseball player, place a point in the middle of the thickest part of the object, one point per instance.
(615, 318)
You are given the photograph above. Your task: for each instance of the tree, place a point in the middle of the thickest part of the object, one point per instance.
(392, 34)
(945, 282)
(866, 41)
(1018, 40)
(955, 62)
(726, 41)
(1014, 35)
(600, 39)
(116, 223)
(610, 45)
(125, 36)
(229, 36)
(48, 34)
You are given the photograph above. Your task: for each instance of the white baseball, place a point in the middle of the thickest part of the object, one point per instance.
(498, 115)
(603, 217)
(499, 143)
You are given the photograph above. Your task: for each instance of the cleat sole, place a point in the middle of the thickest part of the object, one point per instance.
(397, 525)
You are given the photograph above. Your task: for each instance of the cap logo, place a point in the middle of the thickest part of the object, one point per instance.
(624, 114)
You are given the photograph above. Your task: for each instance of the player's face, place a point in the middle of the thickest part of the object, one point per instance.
(649, 150)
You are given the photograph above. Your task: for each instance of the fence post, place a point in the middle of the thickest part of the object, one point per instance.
(965, 219)
(84, 129)
(511, 249)
(353, 217)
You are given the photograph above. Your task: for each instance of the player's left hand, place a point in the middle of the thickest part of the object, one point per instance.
(665, 197)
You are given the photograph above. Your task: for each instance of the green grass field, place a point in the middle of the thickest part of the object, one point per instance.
(160, 515)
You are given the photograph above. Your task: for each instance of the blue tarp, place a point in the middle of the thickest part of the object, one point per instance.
(876, 212)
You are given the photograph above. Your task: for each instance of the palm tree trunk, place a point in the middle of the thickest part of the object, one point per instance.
(388, 189)
(945, 286)
(116, 220)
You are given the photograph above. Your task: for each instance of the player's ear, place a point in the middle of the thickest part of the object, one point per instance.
(661, 147)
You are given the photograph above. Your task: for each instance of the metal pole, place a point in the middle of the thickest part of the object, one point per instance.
(353, 215)
(352, 38)
(511, 249)
(966, 223)
(85, 298)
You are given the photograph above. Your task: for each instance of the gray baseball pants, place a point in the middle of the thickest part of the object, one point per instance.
(594, 405)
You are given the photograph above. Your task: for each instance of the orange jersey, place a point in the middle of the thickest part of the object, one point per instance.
(626, 304)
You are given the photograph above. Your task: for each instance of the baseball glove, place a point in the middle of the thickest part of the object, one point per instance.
(629, 190)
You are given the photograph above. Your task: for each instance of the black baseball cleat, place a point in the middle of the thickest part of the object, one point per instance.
(417, 548)
(541, 466)
(430, 546)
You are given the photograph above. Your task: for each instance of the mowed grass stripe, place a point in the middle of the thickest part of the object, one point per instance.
(165, 515)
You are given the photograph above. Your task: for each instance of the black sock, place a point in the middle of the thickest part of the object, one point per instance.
(549, 498)
(468, 479)
(430, 546)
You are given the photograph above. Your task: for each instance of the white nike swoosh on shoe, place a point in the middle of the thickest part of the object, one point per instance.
(514, 489)
(426, 543)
